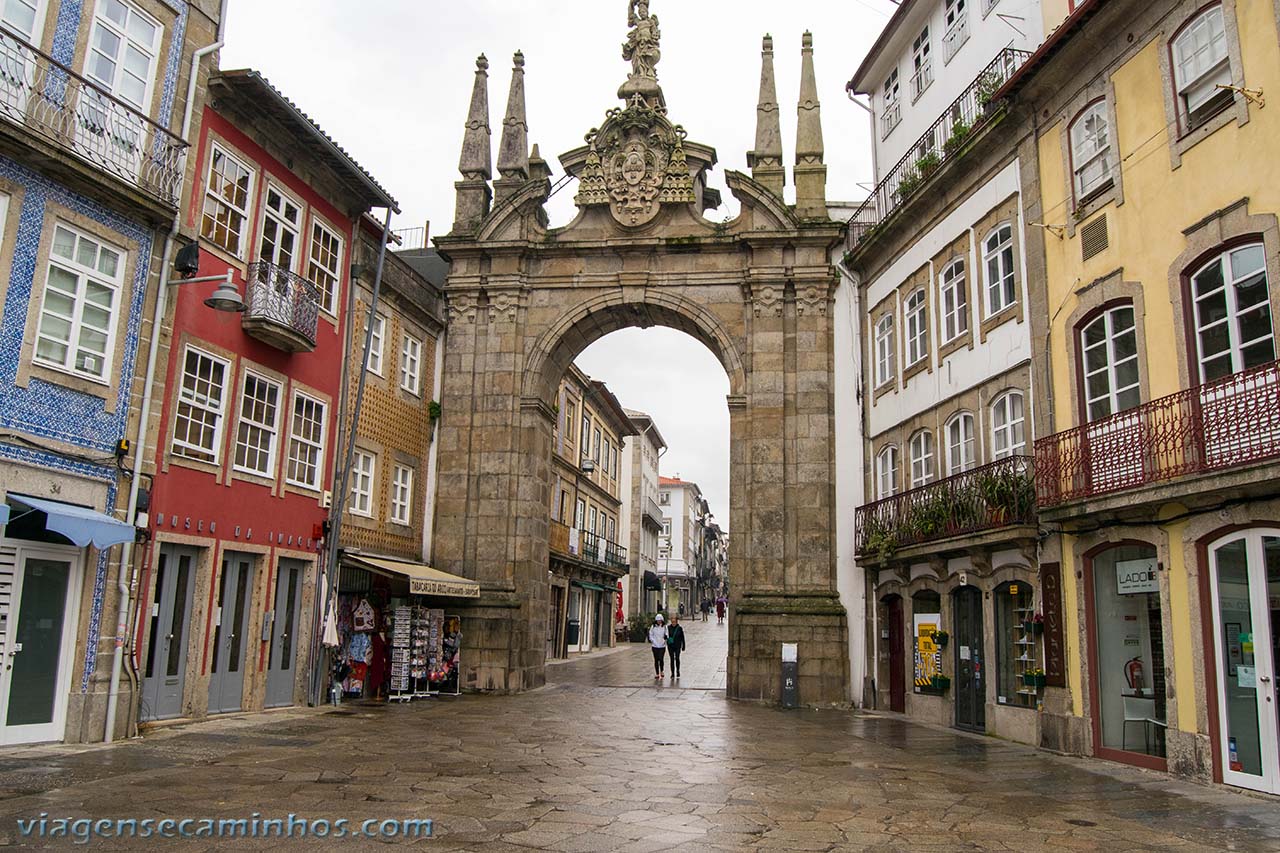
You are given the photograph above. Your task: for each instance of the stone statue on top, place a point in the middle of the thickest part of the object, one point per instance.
(642, 51)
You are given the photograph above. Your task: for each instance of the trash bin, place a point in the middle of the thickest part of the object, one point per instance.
(790, 676)
(571, 632)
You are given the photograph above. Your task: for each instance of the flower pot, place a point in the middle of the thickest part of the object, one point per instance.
(941, 683)
(1036, 681)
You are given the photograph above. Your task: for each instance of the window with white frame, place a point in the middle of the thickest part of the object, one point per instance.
(1091, 149)
(411, 364)
(1109, 349)
(323, 270)
(82, 288)
(580, 514)
(374, 364)
(955, 301)
(960, 443)
(1201, 67)
(917, 317)
(921, 449)
(664, 498)
(1233, 313)
(362, 468)
(997, 255)
(887, 472)
(306, 442)
(122, 52)
(596, 438)
(401, 494)
(886, 351)
(197, 421)
(228, 187)
(891, 115)
(280, 224)
(256, 430)
(956, 13)
(1008, 435)
(585, 435)
(921, 65)
(608, 457)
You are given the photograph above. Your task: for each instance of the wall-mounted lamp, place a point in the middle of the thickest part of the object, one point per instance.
(225, 298)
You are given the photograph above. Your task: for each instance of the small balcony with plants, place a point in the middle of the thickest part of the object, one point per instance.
(993, 504)
(281, 308)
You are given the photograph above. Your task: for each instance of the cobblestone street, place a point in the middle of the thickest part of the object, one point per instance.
(604, 758)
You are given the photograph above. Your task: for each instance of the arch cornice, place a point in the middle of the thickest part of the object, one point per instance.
(513, 209)
(753, 194)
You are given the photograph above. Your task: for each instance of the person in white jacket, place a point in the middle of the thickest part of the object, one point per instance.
(658, 642)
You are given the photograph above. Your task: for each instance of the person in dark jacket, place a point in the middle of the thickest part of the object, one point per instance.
(675, 645)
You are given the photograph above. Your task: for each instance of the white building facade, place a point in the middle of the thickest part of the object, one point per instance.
(641, 517)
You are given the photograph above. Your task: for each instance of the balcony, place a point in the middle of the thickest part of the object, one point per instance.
(921, 80)
(995, 496)
(943, 142)
(653, 512)
(955, 37)
(586, 546)
(79, 117)
(1226, 424)
(281, 308)
(890, 118)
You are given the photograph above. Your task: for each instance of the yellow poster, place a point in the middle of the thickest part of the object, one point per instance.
(928, 657)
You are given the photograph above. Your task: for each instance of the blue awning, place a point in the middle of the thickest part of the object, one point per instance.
(79, 524)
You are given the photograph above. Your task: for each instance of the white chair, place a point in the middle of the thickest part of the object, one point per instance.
(1137, 709)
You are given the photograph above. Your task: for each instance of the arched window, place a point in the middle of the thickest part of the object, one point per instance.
(921, 458)
(917, 327)
(887, 472)
(1233, 313)
(1018, 630)
(960, 456)
(955, 301)
(886, 361)
(1091, 156)
(997, 255)
(1109, 353)
(1200, 66)
(1008, 435)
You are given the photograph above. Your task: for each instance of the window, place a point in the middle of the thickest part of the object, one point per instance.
(1016, 633)
(226, 201)
(922, 72)
(887, 472)
(580, 514)
(955, 10)
(375, 344)
(997, 254)
(886, 366)
(279, 230)
(608, 457)
(1200, 67)
(664, 498)
(1110, 354)
(957, 19)
(1233, 313)
(917, 327)
(1007, 426)
(401, 494)
(1091, 149)
(892, 112)
(586, 433)
(326, 261)
(197, 423)
(955, 300)
(411, 364)
(122, 53)
(960, 455)
(362, 467)
(666, 528)
(306, 442)
(921, 448)
(78, 313)
(256, 433)
(596, 437)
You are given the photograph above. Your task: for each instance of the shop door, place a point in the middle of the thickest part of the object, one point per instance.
(283, 657)
(164, 673)
(37, 637)
(231, 618)
(1245, 590)
(970, 686)
(897, 658)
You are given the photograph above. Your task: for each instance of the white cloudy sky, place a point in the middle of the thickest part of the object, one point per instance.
(392, 83)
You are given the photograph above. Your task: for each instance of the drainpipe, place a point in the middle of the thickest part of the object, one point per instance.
(148, 386)
(429, 515)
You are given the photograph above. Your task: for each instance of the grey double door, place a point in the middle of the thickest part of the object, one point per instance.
(230, 643)
(283, 656)
(164, 673)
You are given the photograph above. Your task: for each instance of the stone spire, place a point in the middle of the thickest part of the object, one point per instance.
(538, 168)
(473, 194)
(810, 173)
(513, 151)
(766, 159)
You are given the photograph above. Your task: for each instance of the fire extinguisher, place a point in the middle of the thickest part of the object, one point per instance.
(1133, 673)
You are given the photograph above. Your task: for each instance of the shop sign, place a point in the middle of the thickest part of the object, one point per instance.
(1055, 669)
(1134, 577)
(429, 586)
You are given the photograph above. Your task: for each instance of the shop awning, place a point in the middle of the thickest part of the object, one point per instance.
(588, 585)
(423, 580)
(651, 581)
(79, 524)
(4, 514)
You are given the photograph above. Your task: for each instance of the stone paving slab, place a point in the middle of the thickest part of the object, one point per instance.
(639, 767)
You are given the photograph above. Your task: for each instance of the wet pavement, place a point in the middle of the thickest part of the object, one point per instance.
(605, 758)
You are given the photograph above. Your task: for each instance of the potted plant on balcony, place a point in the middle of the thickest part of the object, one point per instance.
(1009, 495)
(881, 541)
(1034, 678)
(959, 133)
(985, 88)
(928, 164)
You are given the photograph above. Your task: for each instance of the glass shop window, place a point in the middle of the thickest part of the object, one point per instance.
(926, 616)
(1018, 628)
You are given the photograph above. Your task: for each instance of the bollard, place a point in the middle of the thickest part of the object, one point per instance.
(790, 676)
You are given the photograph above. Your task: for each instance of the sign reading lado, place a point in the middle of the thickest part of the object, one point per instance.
(1136, 576)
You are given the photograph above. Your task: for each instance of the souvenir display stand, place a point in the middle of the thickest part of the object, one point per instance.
(425, 652)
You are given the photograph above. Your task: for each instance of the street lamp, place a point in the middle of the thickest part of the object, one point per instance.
(225, 298)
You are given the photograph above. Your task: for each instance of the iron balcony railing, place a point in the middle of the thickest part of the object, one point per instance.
(996, 495)
(586, 545)
(277, 297)
(1223, 424)
(943, 141)
(78, 115)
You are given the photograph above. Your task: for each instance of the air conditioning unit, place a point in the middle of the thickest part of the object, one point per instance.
(326, 500)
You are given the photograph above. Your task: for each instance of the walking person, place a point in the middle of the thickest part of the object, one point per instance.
(705, 607)
(658, 642)
(719, 611)
(675, 645)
